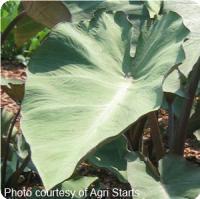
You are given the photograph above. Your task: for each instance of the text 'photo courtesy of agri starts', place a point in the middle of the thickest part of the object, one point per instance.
(100, 99)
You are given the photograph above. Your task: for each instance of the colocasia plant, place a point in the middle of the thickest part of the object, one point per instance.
(95, 83)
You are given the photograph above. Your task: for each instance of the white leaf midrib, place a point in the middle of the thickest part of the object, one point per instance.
(110, 107)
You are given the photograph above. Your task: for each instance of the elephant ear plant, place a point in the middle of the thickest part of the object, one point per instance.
(93, 86)
(83, 87)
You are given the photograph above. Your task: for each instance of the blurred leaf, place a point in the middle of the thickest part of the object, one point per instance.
(178, 178)
(198, 90)
(8, 81)
(8, 49)
(17, 139)
(37, 40)
(153, 7)
(15, 91)
(11, 165)
(9, 11)
(6, 119)
(197, 134)
(25, 29)
(48, 13)
(14, 88)
(20, 146)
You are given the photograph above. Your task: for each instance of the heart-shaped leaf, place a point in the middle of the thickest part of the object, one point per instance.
(78, 92)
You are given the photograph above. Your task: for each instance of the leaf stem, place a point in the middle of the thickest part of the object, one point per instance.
(156, 135)
(135, 134)
(181, 133)
(171, 127)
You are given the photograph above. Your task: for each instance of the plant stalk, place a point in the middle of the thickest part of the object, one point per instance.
(135, 134)
(181, 133)
(171, 126)
(156, 136)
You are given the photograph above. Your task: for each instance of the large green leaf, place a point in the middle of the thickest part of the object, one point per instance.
(178, 178)
(78, 92)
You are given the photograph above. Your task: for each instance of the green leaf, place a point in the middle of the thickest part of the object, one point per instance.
(9, 11)
(190, 11)
(17, 141)
(111, 156)
(178, 178)
(135, 10)
(81, 10)
(78, 95)
(48, 13)
(6, 120)
(138, 18)
(37, 40)
(11, 165)
(174, 83)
